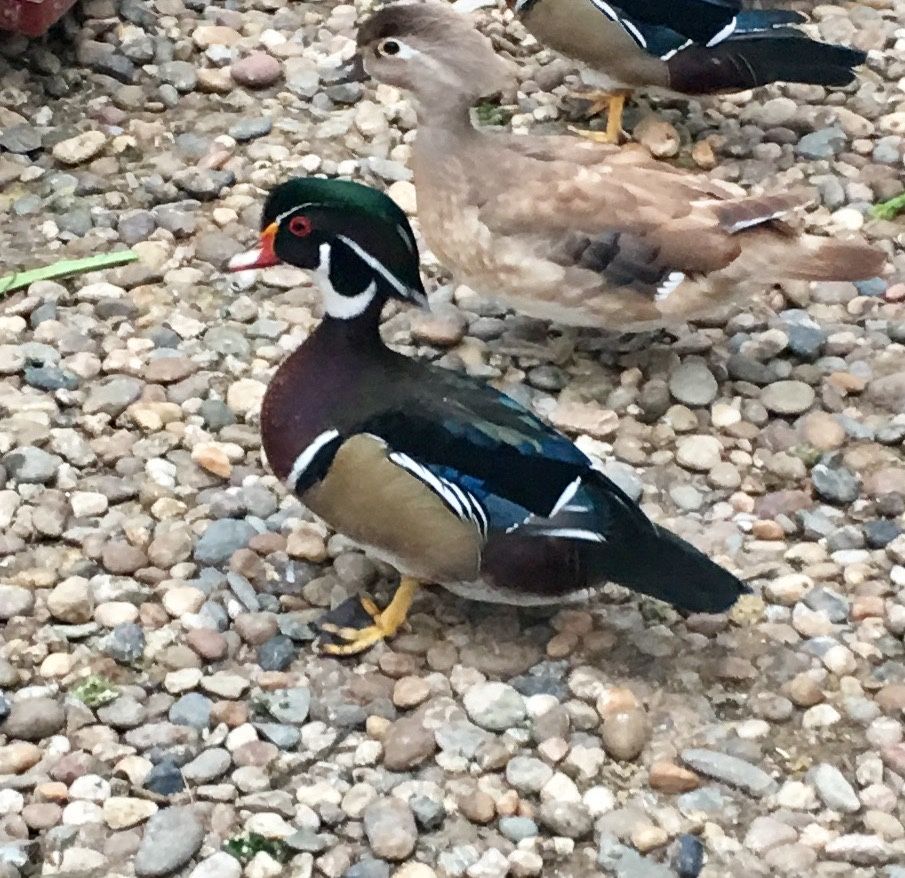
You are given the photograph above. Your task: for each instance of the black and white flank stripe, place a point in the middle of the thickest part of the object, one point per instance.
(459, 501)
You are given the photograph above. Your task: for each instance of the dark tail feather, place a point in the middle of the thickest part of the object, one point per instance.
(698, 20)
(752, 21)
(759, 59)
(668, 568)
(649, 559)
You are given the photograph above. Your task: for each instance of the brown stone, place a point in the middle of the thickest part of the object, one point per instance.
(477, 807)
(166, 370)
(625, 733)
(667, 777)
(267, 543)
(865, 606)
(209, 644)
(18, 757)
(892, 698)
(122, 558)
(258, 753)
(803, 691)
(256, 628)
(406, 743)
(40, 816)
(233, 713)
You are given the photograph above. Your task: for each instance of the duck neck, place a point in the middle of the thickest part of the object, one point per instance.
(449, 114)
(360, 333)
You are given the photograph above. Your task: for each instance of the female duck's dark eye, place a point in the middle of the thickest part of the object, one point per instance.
(300, 226)
(388, 47)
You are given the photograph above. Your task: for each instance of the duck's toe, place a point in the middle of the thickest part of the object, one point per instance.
(350, 641)
(358, 623)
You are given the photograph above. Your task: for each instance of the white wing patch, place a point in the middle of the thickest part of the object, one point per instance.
(724, 34)
(673, 280)
(463, 503)
(612, 14)
(571, 533)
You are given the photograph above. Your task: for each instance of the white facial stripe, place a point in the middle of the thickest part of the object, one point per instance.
(378, 266)
(306, 458)
(405, 53)
(297, 208)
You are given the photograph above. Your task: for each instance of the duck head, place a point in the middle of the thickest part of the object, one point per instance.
(356, 241)
(432, 51)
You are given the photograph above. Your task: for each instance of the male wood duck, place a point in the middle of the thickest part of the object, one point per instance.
(687, 47)
(443, 477)
(573, 231)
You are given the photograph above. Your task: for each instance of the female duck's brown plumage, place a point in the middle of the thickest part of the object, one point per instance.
(445, 478)
(568, 230)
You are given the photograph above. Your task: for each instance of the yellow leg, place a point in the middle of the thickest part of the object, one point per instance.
(614, 104)
(386, 622)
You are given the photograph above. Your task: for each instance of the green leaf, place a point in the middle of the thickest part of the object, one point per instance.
(889, 210)
(95, 691)
(244, 847)
(66, 268)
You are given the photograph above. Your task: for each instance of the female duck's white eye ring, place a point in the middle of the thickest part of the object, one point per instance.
(390, 48)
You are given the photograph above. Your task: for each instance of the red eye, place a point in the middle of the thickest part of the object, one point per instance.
(300, 226)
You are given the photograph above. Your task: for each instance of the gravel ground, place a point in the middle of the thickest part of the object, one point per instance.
(162, 709)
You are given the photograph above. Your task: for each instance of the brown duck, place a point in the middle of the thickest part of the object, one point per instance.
(572, 231)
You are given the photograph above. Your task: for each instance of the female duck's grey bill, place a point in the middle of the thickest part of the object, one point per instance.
(354, 71)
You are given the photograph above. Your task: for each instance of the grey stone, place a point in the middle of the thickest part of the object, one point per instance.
(171, 838)
(207, 765)
(126, 643)
(822, 144)
(625, 862)
(15, 601)
(693, 384)
(494, 706)
(165, 779)
(32, 719)
(192, 709)
(568, 819)
(112, 395)
(390, 828)
(221, 539)
(730, 770)
(834, 790)
(835, 484)
(289, 705)
(31, 465)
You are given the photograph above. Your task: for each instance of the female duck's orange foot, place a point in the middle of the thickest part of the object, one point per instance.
(350, 639)
(614, 104)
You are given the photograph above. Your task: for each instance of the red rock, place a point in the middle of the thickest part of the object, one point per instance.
(258, 70)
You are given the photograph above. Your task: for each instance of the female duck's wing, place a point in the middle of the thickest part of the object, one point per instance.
(625, 222)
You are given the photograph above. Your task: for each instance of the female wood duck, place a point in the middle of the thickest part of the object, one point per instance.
(445, 478)
(688, 47)
(573, 231)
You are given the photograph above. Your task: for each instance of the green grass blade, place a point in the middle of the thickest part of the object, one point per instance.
(889, 210)
(66, 268)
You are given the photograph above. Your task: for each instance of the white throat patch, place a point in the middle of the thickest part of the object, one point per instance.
(336, 305)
